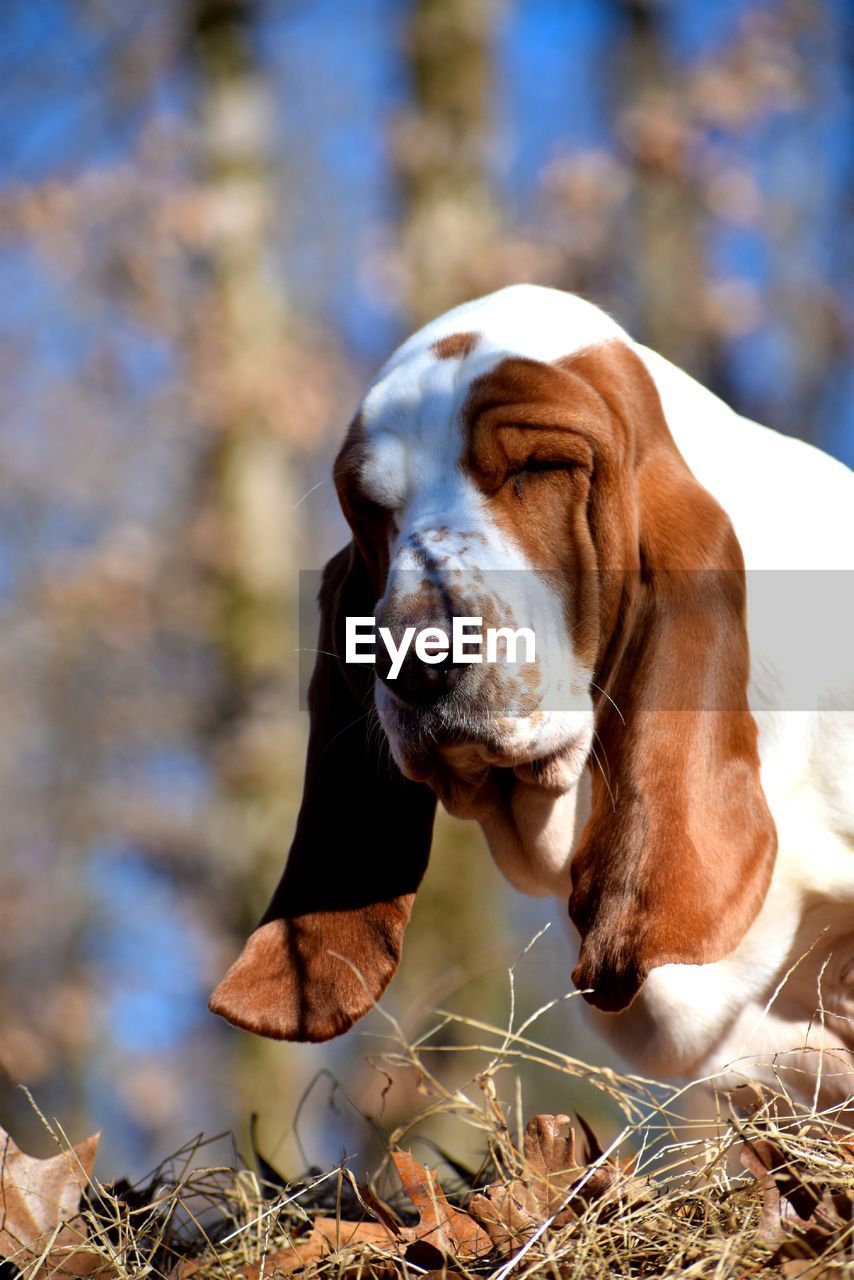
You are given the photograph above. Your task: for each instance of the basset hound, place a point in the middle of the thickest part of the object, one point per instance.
(676, 762)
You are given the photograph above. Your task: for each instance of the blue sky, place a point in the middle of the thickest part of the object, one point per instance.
(337, 76)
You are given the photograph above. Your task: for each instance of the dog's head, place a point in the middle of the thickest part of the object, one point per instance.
(512, 464)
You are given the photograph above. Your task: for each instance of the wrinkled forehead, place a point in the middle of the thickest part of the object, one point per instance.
(412, 418)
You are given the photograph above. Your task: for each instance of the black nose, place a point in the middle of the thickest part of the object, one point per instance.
(418, 683)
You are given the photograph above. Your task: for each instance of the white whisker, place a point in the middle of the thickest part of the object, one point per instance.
(325, 480)
(594, 685)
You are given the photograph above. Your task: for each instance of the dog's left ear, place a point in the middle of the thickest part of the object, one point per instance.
(330, 940)
(677, 855)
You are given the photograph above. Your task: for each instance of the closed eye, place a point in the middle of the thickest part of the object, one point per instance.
(536, 467)
(545, 464)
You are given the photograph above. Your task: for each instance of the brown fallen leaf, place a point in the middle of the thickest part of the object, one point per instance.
(381, 1211)
(511, 1212)
(443, 1232)
(805, 1269)
(802, 1218)
(449, 1230)
(327, 1238)
(508, 1221)
(747, 1098)
(846, 1150)
(761, 1158)
(39, 1201)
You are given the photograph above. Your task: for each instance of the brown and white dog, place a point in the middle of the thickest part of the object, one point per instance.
(678, 761)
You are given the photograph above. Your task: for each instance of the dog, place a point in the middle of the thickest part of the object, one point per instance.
(676, 761)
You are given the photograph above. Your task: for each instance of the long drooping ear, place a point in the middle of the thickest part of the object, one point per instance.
(330, 940)
(676, 857)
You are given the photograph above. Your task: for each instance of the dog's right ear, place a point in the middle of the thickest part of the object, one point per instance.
(330, 940)
(675, 861)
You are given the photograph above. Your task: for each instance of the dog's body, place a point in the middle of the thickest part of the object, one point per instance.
(679, 761)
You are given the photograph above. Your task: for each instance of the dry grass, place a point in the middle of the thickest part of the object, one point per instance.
(764, 1188)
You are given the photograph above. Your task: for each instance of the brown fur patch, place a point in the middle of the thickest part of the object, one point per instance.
(577, 463)
(456, 346)
(330, 940)
(372, 525)
(528, 414)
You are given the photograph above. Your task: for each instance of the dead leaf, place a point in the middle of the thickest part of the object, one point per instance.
(801, 1216)
(328, 1236)
(507, 1222)
(448, 1229)
(381, 1211)
(39, 1199)
(759, 1158)
(511, 1212)
(747, 1098)
(796, 1268)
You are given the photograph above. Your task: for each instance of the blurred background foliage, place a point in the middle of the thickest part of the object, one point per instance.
(216, 219)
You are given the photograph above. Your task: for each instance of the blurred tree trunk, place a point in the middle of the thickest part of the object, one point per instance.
(447, 218)
(249, 534)
(448, 215)
(666, 247)
(819, 346)
(247, 529)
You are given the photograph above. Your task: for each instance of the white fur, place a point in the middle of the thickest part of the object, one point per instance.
(792, 508)
(410, 419)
